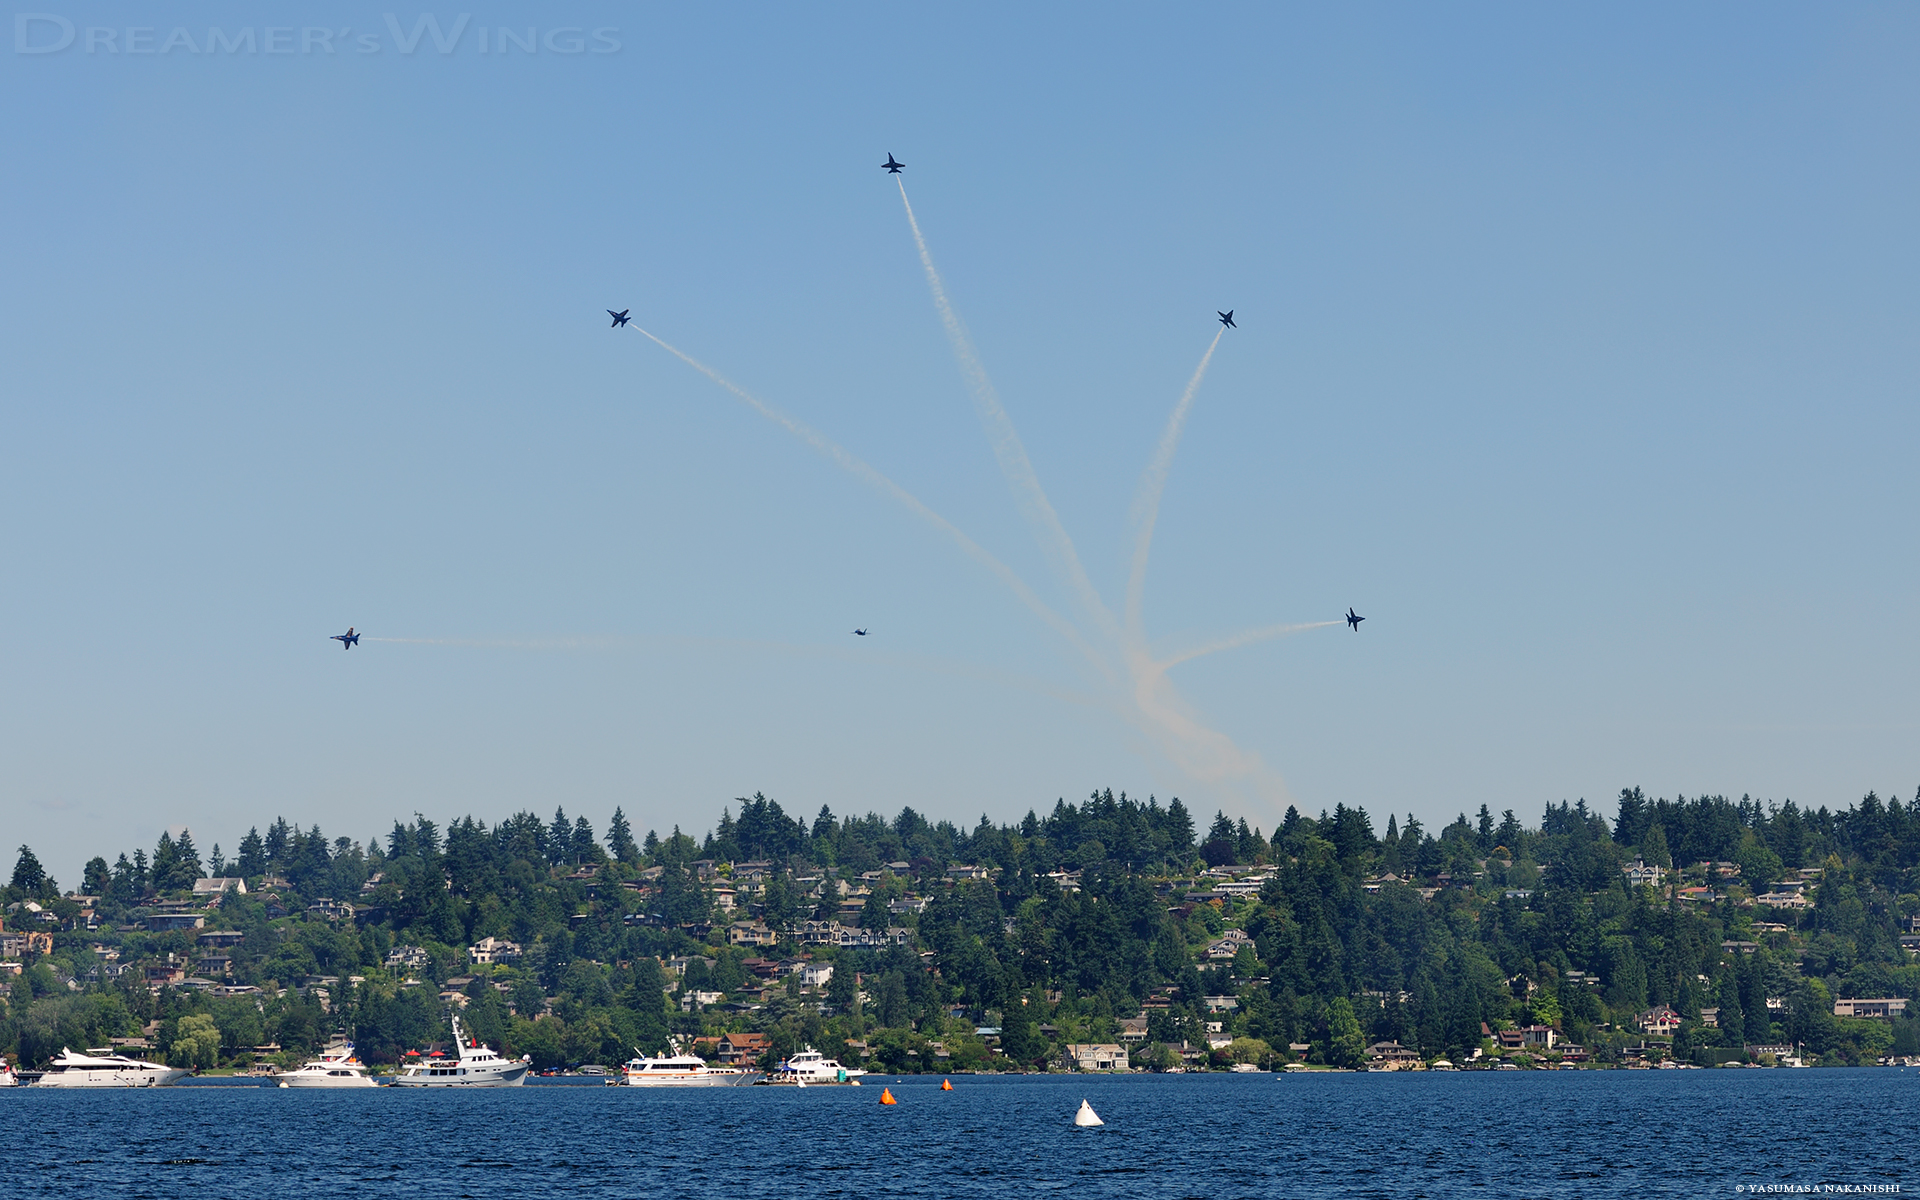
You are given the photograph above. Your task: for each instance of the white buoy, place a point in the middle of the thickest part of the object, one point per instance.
(1086, 1118)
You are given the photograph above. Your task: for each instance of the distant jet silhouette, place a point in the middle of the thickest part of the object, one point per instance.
(892, 167)
(862, 632)
(1226, 318)
(1353, 622)
(347, 640)
(619, 318)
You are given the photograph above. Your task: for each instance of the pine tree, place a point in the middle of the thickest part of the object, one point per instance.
(95, 878)
(560, 838)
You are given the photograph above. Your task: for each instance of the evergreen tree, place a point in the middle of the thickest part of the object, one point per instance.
(620, 838)
(279, 835)
(253, 855)
(560, 839)
(28, 876)
(584, 847)
(187, 859)
(166, 864)
(217, 863)
(95, 879)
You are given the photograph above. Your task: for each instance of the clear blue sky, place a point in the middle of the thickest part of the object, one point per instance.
(1577, 352)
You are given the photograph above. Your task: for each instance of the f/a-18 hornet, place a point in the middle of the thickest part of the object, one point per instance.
(347, 640)
(891, 167)
(1353, 622)
(1226, 318)
(619, 318)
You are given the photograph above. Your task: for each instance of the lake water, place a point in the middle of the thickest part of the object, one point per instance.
(1537, 1133)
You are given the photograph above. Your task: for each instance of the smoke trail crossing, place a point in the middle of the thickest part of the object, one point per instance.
(1007, 447)
(867, 474)
(1153, 482)
(1250, 637)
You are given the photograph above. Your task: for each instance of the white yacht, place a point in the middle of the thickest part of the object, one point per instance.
(7, 1077)
(811, 1067)
(103, 1068)
(683, 1070)
(476, 1066)
(335, 1068)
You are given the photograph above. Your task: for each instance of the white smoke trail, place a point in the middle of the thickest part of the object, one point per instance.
(1153, 482)
(575, 643)
(1007, 447)
(859, 469)
(1251, 636)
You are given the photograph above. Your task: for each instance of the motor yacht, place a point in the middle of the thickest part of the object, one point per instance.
(476, 1066)
(103, 1068)
(7, 1077)
(811, 1067)
(337, 1067)
(683, 1070)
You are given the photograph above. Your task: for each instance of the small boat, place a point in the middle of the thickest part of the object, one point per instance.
(7, 1077)
(103, 1068)
(811, 1067)
(476, 1066)
(335, 1068)
(683, 1070)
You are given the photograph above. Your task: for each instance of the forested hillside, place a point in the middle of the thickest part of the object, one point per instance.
(995, 946)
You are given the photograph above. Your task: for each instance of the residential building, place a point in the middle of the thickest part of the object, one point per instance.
(741, 1049)
(751, 933)
(169, 922)
(330, 910)
(494, 950)
(816, 974)
(1710, 1017)
(406, 958)
(703, 999)
(1884, 1009)
(1392, 1056)
(1639, 872)
(1660, 1019)
(1133, 1029)
(1096, 1056)
(218, 886)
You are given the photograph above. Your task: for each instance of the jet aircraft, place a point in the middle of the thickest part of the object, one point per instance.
(1226, 318)
(619, 318)
(892, 167)
(859, 633)
(1353, 622)
(347, 640)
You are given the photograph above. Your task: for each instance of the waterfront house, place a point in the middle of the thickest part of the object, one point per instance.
(1095, 1056)
(1392, 1056)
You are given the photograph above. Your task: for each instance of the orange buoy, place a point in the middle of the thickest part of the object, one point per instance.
(886, 1096)
(946, 1085)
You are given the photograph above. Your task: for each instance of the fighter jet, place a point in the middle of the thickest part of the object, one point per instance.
(1353, 622)
(1226, 318)
(892, 167)
(862, 632)
(347, 640)
(619, 318)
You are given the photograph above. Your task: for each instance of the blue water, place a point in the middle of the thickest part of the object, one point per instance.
(1545, 1134)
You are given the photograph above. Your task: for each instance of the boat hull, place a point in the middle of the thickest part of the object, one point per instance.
(512, 1076)
(294, 1079)
(709, 1079)
(111, 1079)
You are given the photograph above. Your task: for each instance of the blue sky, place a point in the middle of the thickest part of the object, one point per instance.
(1577, 352)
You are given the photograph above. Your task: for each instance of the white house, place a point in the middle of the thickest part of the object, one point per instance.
(1094, 1056)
